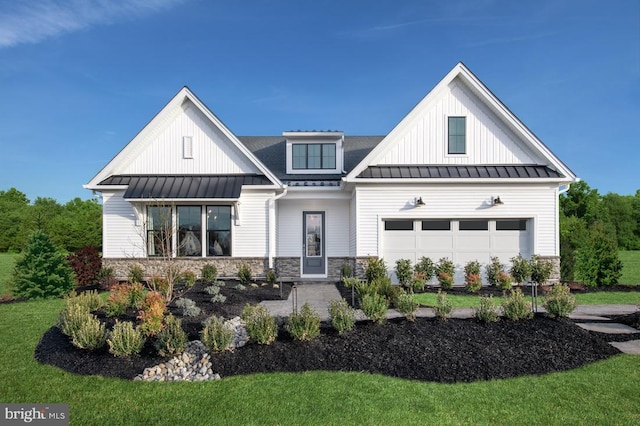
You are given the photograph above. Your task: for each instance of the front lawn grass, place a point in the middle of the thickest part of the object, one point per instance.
(631, 266)
(605, 392)
(7, 260)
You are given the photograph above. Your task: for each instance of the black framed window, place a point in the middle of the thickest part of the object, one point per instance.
(313, 156)
(436, 225)
(511, 225)
(398, 225)
(474, 225)
(218, 230)
(457, 128)
(189, 230)
(159, 231)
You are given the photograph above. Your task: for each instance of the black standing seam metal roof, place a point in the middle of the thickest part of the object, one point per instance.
(197, 186)
(459, 171)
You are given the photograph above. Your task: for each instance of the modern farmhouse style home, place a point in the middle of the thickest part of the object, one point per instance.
(459, 177)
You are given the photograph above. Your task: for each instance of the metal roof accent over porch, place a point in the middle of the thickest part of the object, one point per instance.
(460, 172)
(185, 187)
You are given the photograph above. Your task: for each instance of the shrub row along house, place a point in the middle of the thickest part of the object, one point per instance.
(458, 177)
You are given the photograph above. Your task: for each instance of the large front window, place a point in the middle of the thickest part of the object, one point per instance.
(189, 231)
(218, 230)
(159, 231)
(314, 156)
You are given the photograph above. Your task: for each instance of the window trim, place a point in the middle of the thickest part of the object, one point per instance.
(449, 135)
(321, 146)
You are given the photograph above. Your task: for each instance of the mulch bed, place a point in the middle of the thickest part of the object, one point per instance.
(428, 349)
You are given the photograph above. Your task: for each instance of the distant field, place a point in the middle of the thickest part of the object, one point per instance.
(631, 269)
(6, 266)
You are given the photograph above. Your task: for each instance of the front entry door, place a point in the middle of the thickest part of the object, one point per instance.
(313, 246)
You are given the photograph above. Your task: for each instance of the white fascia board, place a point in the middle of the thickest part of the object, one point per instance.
(103, 188)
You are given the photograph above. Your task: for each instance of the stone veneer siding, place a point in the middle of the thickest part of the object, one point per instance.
(289, 267)
(555, 271)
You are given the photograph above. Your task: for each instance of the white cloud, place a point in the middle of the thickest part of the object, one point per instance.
(37, 20)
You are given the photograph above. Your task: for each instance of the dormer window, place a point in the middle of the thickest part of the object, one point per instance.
(314, 152)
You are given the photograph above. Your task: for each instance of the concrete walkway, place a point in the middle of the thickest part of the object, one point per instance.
(319, 295)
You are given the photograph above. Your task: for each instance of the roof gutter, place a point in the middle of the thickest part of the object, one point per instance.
(272, 224)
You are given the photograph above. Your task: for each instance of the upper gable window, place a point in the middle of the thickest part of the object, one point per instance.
(457, 128)
(314, 156)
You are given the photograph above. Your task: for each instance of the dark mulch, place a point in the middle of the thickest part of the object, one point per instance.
(429, 349)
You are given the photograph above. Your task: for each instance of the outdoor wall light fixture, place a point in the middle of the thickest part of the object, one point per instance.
(496, 201)
(418, 202)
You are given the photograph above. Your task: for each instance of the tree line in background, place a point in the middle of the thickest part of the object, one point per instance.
(593, 228)
(70, 226)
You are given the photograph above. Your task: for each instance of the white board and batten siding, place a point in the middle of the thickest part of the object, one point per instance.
(536, 203)
(289, 225)
(163, 152)
(423, 139)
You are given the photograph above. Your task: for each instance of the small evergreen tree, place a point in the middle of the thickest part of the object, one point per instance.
(597, 262)
(42, 270)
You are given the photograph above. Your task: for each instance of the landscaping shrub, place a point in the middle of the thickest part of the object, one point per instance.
(212, 290)
(443, 306)
(426, 268)
(171, 339)
(86, 264)
(152, 314)
(445, 271)
(189, 279)
(472, 279)
(406, 305)
(106, 278)
(72, 317)
(404, 272)
(304, 325)
(137, 293)
(375, 269)
(261, 326)
(343, 316)
(418, 283)
(188, 306)
(520, 269)
(119, 300)
(218, 298)
(487, 310)
(42, 271)
(375, 306)
(91, 300)
(346, 271)
(559, 302)
(540, 270)
(516, 307)
(383, 287)
(125, 340)
(135, 274)
(503, 280)
(597, 262)
(216, 335)
(91, 334)
(209, 273)
(160, 285)
(493, 271)
(271, 276)
(244, 273)
(240, 287)
(350, 282)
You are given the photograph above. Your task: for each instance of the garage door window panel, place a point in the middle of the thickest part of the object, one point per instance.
(474, 225)
(436, 225)
(511, 225)
(398, 225)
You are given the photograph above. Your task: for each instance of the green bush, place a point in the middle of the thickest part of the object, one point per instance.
(375, 306)
(304, 325)
(425, 268)
(261, 326)
(472, 279)
(346, 271)
(350, 282)
(418, 283)
(503, 280)
(271, 276)
(343, 316)
(135, 274)
(443, 306)
(493, 270)
(383, 287)
(559, 302)
(118, 301)
(212, 290)
(406, 305)
(106, 277)
(375, 269)
(244, 273)
(219, 298)
(137, 294)
(91, 300)
(520, 269)
(516, 307)
(209, 273)
(404, 272)
(540, 270)
(445, 271)
(42, 271)
(487, 310)
(91, 334)
(597, 262)
(216, 335)
(72, 317)
(124, 340)
(171, 339)
(189, 279)
(188, 306)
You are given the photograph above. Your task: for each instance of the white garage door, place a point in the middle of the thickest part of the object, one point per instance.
(459, 240)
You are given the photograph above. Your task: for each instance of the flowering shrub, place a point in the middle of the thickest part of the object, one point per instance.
(503, 280)
(472, 279)
(445, 270)
(446, 280)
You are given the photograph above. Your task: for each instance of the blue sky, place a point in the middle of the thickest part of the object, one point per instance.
(80, 78)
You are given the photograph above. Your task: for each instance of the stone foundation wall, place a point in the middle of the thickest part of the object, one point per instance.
(227, 266)
(289, 267)
(555, 271)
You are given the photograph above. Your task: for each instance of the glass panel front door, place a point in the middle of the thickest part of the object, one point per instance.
(313, 259)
